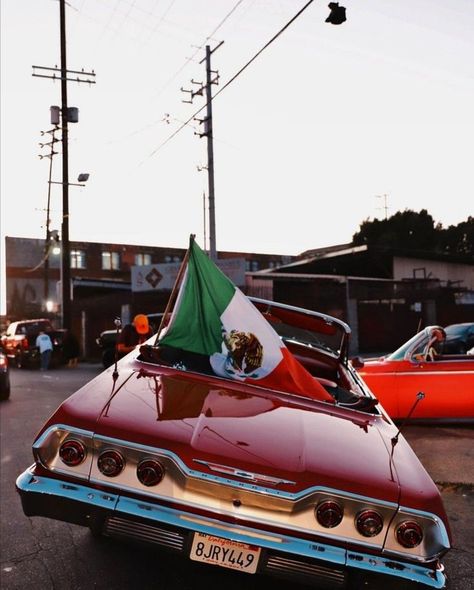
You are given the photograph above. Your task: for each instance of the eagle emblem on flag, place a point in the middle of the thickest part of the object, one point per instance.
(245, 352)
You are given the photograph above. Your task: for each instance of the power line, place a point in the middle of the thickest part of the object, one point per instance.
(175, 75)
(263, 48)
(198, 49)
(234, 77)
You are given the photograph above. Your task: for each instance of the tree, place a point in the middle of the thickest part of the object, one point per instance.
(405, 229)
(459, 239)
(409, 230)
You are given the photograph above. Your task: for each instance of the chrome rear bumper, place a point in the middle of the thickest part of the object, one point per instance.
(282, 555)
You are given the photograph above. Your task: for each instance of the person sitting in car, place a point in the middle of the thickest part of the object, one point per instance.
(435, 344)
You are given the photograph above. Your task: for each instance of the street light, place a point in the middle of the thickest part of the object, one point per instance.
(66, 252)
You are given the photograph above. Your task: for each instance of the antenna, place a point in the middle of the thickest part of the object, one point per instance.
(419, 396)
(385, 205)
(118, 325)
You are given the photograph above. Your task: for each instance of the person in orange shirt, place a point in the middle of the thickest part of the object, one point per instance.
(134, 334)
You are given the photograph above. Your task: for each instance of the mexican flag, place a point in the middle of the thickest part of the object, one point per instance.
(213, 317)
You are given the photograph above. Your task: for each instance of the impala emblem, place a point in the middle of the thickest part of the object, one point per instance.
(247, 475)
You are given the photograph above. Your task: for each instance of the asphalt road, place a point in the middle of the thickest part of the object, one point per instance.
(38, 553)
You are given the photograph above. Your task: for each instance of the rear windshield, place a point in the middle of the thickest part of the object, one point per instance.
(33, 328)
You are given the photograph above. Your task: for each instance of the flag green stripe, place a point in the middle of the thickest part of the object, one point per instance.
(207, 293)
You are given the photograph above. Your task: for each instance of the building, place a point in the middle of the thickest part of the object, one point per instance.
(383, 294)
(101, 281)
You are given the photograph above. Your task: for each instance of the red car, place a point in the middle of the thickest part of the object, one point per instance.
(421, 364)
(293, 470)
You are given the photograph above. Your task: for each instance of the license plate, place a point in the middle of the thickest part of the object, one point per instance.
(226, 553)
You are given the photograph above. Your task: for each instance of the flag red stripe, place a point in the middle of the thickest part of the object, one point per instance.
(290, 375)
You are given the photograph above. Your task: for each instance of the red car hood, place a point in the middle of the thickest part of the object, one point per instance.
(238, 427)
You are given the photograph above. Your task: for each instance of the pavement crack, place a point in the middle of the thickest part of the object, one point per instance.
(21, 558)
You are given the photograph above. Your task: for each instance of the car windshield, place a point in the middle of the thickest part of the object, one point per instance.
(329, 342)
(456, 330)
(305, 327)
(401, 352)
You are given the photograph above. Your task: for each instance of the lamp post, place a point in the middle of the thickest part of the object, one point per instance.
(66, 256)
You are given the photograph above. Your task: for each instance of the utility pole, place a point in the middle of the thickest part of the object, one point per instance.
(210, 157)
(65, 114)
(65, 250)
(208, 132)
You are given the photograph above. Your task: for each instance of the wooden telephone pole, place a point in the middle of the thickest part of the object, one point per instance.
(64, 74)
(208, 132)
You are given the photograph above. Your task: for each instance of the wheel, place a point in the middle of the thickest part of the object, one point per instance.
(5, 394)
(108, 357)
(4, 387)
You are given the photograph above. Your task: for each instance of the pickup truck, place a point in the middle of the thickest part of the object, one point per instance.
(19, 341)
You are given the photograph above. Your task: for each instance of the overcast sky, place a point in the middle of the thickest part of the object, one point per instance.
(308, 139)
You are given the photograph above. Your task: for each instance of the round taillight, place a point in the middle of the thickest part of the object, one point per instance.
(369, 523)
(329, 514)
(409, 534)
(150, 472)
(110, 463)
(72, 453)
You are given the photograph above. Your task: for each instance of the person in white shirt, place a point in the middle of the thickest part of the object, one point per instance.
(43, 342)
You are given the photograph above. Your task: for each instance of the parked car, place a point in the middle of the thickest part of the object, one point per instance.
(19, 342)
(243, 476)
(4, 377)
(107, 341)
(459, 338)
(446, 379)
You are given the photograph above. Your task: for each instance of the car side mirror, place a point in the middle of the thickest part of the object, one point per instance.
(357, 362)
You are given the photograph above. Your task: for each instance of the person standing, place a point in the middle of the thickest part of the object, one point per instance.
(70, 349)
(43, 342)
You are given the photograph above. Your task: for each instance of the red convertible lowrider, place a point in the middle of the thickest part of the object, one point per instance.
(420, 364)
(251, 477)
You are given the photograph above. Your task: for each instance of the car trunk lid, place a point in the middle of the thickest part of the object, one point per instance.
(206, 422)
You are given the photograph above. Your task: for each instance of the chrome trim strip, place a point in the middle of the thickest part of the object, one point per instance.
(417, 372)
(248, 475)
(30, 484)
(250, 487)
(291, 496)
(39, 441)
(329, 319)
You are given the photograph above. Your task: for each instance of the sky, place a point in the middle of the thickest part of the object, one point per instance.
(329, 126)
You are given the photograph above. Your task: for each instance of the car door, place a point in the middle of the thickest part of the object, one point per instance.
(448, 386)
